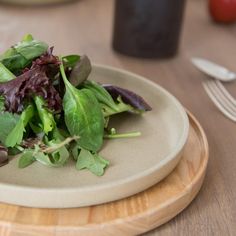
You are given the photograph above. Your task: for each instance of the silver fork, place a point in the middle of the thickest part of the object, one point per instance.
(221, 98)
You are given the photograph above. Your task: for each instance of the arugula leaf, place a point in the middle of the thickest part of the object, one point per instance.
(55, 154)
(83, 115)
(44, 159)
(26, 158)
(93, 162)
(45, 115)
(57, 159)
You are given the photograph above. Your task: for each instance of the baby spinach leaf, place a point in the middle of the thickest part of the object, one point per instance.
(31, 49)
(101, 94)
(109, 106)
(5, 74)
(27, 38)
(13, 61)
(70, 60)
(45, 115)
(26, 158)
(83, 115)
(93, 162)
(21, 55)
(116, 100)
(8, 53)
(80, 71)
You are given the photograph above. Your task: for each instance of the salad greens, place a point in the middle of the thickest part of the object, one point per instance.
(21, 55)
(83, 115)
(50, 111)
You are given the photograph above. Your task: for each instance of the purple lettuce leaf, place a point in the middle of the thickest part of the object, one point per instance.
(34, 81)
(128, 97)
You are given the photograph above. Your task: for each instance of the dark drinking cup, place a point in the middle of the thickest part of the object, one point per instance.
(147, 28)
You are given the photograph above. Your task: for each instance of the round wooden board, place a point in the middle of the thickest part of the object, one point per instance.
(131, 216)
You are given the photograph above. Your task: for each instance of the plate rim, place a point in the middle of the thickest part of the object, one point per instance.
(174, 152)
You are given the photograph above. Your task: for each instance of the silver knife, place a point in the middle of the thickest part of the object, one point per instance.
(214, 70)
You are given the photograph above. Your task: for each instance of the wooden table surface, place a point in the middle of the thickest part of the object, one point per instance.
(86, 27)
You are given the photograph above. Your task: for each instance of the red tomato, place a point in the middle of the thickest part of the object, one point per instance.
(223, 10)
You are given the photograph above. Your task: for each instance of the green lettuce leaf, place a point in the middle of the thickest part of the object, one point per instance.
(93, 162)
(83, 115)
(14, 126)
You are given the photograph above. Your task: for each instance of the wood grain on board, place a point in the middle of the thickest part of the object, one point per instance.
(85, 27)
(131, 216)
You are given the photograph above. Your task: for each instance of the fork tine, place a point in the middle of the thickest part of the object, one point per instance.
(226, 93)
(218, 104)
(223, 95)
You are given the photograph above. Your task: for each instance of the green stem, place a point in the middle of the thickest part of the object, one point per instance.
(59, 145)
(63, 74)
(124, 135)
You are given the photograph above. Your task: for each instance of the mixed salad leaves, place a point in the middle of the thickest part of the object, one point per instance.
(50, 112)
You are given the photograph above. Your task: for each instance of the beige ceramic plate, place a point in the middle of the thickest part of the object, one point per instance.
(136, 163)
